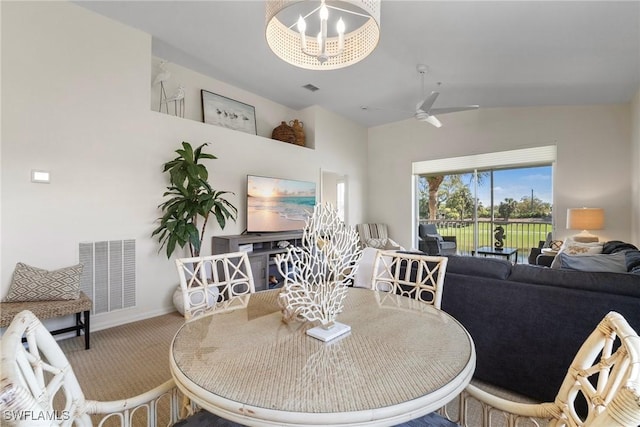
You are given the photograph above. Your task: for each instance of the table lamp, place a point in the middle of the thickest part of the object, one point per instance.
(585, 219)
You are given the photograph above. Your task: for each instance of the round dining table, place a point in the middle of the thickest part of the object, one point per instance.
(401, 360)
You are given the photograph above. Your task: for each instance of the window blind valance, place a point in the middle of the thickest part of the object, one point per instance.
(511, 158)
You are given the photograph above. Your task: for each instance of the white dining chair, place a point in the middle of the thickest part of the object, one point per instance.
(215, 283)
(416, 276)
(601, 388)
(39, 388)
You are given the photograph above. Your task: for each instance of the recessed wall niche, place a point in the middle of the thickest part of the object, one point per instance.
(176, 79)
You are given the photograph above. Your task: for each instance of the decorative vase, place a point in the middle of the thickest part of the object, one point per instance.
(298, 130)
(284, 133)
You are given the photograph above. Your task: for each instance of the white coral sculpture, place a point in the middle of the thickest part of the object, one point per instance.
(317, 273)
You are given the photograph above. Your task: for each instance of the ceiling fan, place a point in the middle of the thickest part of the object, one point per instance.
(424, 109)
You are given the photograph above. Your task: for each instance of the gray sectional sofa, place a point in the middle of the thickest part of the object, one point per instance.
(529, 321)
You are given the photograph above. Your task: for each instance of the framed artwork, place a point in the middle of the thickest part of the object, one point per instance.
(222, 111)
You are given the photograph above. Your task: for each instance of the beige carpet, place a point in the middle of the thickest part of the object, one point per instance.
(126, 360)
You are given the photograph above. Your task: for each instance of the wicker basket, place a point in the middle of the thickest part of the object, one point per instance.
(298, 131)
(284, 133)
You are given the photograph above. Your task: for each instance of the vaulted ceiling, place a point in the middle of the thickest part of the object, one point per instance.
(495, 54)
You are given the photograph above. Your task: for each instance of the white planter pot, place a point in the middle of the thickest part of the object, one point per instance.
(196, 298)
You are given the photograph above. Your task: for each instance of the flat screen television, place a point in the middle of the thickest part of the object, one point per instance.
(277, 204)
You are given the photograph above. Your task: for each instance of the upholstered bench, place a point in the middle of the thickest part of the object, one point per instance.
(81, 307)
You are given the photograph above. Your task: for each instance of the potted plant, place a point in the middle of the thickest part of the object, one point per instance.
(191, 200)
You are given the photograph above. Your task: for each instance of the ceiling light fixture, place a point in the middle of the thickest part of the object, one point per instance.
(329, 49)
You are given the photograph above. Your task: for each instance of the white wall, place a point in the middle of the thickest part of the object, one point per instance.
(76, 102)
(593, 167)
(635, 167)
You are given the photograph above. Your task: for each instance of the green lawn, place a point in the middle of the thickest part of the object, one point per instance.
(521, 235)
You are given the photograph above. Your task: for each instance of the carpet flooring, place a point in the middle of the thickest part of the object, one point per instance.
(125, 360)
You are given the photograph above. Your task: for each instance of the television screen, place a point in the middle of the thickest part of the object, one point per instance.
(275, 204)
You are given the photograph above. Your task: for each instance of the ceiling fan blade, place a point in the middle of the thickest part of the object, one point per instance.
(453, 109)
(428, 102)
(433, 120)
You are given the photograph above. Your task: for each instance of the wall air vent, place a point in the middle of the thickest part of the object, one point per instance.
(109, 274)
(311, 87)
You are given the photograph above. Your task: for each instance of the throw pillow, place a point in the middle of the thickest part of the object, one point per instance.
(612, 263)
(613, 246)
(633, 261)
(556, 245)
(572, 247)
(35, 284)
(377, 243)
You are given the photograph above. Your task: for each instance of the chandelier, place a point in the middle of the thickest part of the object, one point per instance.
(345, 32)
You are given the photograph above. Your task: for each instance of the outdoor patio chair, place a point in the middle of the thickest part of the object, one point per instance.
(432, 243)
(601, 388)
(215, 283)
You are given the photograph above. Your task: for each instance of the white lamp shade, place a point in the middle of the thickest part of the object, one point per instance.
(585, 219)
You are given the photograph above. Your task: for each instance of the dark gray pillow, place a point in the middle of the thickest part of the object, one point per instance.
(36, 284)
(632, 259)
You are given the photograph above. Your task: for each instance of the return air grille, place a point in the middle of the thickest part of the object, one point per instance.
(109, 274)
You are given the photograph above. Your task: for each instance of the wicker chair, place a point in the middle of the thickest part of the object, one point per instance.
(216, 282)
(39, 387)
(604, 378)
(416, 276)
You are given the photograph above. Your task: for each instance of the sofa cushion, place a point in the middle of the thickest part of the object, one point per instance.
(611, 283)
(492, 268)
(612, 263)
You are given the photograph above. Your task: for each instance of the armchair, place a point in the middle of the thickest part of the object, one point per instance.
(376, 236)
(537, 257)
(432, 243)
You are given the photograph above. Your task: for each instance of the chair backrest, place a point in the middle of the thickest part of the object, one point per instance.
(215, 282)
(39, 388)
(606, 374)
(372, 234)
(425, 229)
(416, 276)
(33, 375)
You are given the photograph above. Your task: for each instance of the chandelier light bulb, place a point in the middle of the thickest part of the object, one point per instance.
(340, 27)
(324, 12)
(302, 25)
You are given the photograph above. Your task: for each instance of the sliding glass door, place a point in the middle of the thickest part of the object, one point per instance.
(473, 204)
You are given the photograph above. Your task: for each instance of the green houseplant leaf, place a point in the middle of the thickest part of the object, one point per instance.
(190, 197)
